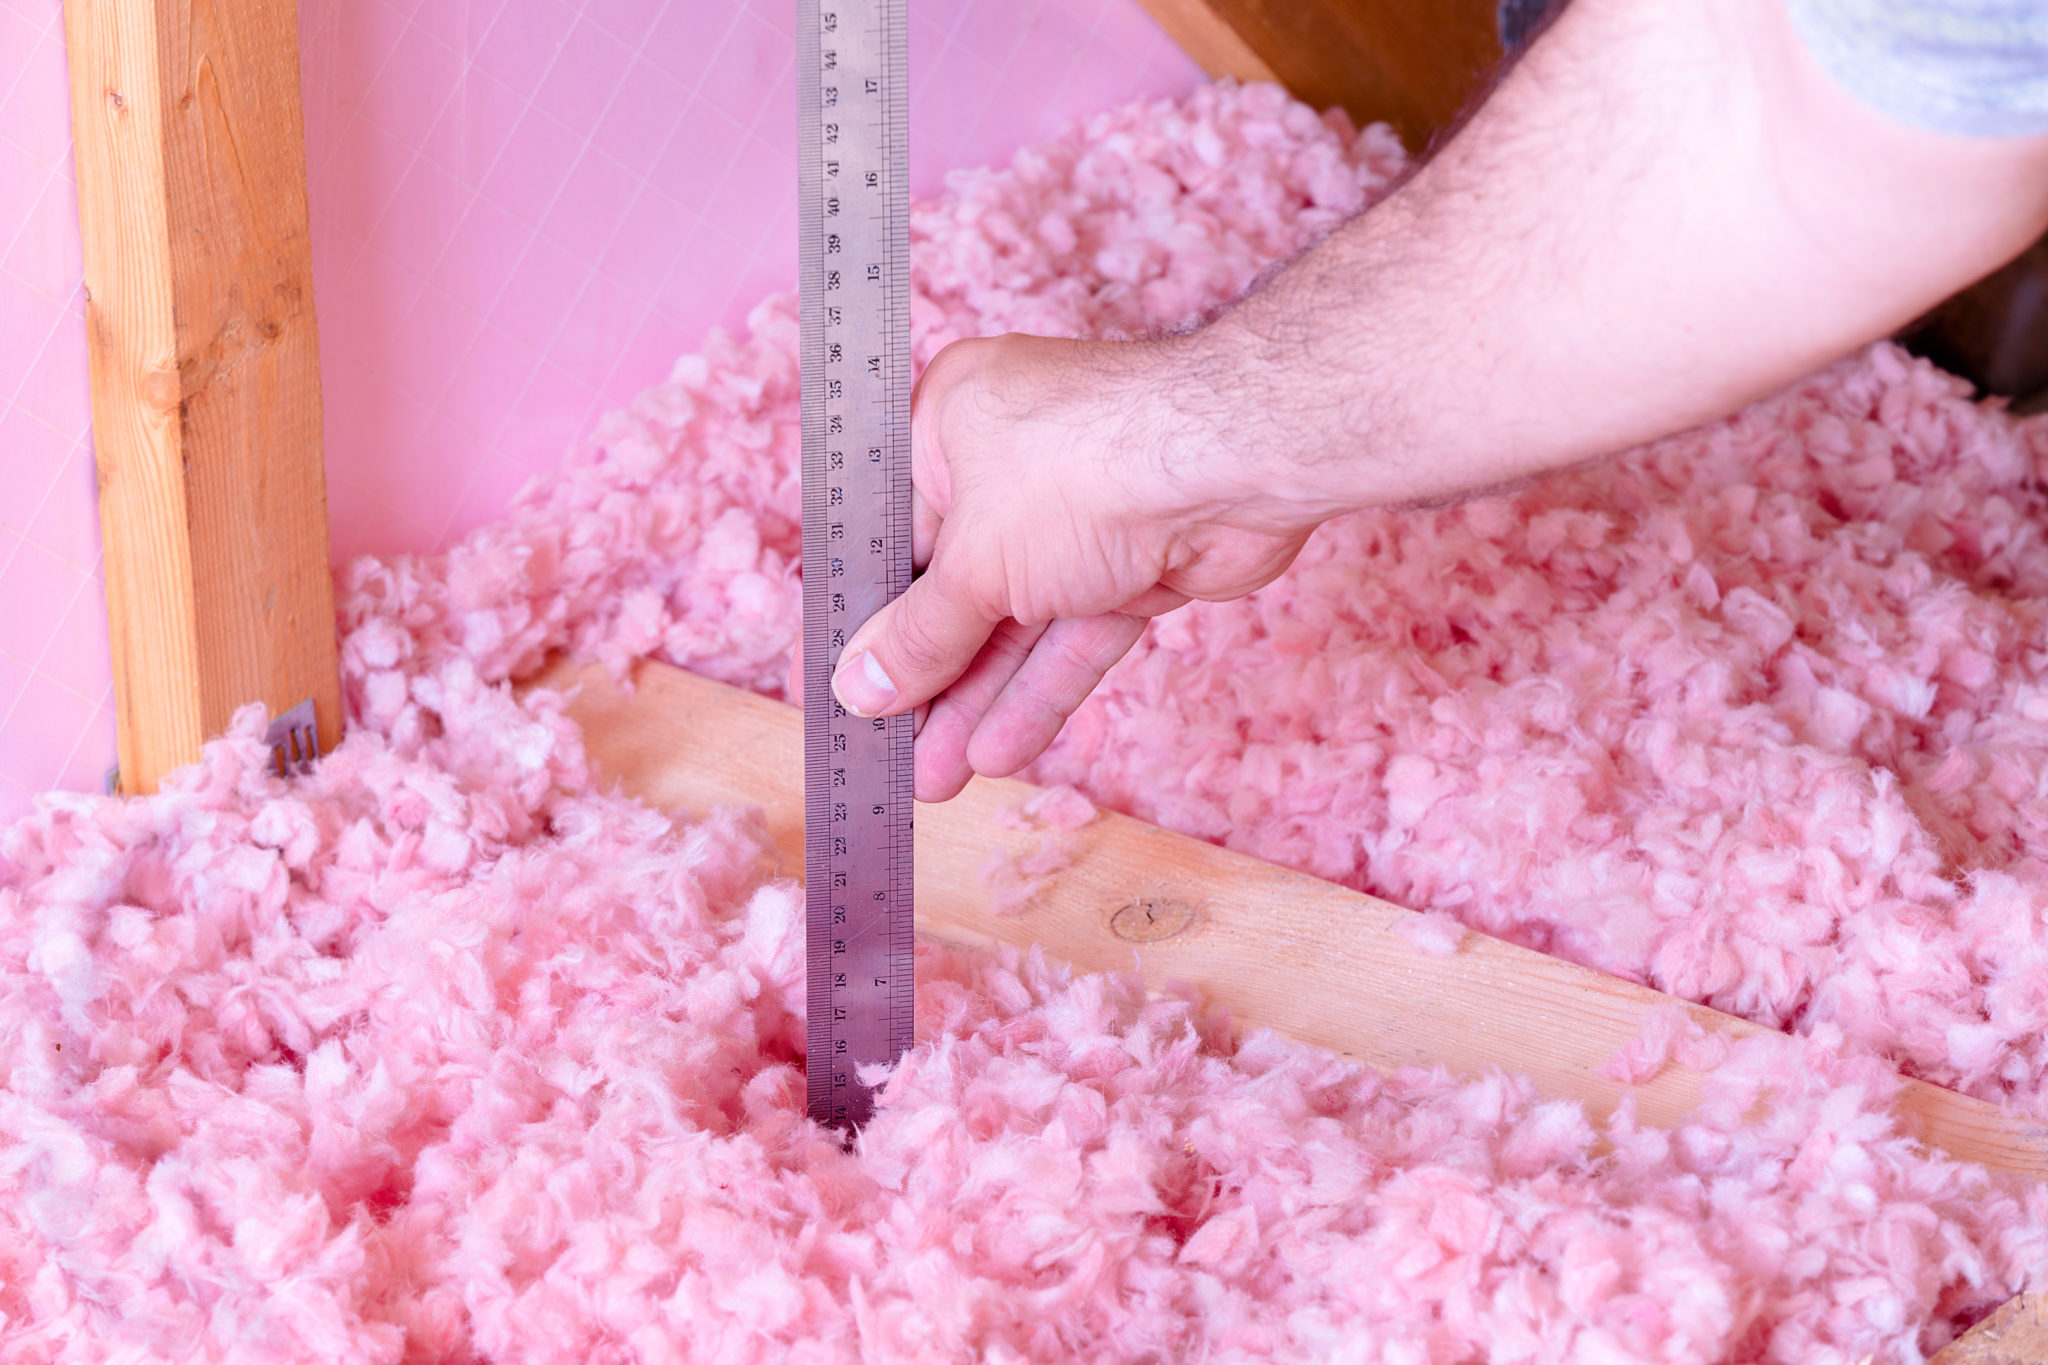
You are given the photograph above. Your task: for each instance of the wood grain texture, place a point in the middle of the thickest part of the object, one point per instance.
(205, 368)
(2017, 1334)
(1412, 63)
(1210, 40)
(1277, 948)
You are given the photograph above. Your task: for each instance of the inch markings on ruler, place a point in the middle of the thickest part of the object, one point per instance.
(854, 259)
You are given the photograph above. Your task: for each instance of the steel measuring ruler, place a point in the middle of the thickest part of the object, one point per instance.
(854, 258)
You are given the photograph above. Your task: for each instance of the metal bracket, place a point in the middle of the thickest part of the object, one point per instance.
(1519, 20)
(294, 740)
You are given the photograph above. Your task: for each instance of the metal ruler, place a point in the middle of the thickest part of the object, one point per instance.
(854, 223)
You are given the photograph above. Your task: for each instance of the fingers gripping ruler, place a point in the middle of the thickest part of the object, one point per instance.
(854, 225)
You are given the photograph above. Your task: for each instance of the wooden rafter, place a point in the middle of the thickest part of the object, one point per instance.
(1412, 63)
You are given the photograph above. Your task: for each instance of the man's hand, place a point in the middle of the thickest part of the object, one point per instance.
(1667, 210)
(1063, 498)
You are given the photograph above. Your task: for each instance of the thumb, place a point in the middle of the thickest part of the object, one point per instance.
(909, 651)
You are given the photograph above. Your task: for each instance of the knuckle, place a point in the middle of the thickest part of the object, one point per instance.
(1101, 641)
(1047, 702)
(1078, 668)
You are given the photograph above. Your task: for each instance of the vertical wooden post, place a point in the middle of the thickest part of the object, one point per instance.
(1413, 63)
(205, 368)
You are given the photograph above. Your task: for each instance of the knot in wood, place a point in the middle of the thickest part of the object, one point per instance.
(163, 390)
(1151, 919)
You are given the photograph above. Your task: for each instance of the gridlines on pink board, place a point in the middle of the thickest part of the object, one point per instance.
(527, 209)
(56, 702)
(522, 212)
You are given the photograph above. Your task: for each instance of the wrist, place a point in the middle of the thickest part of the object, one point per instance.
(1233, 437)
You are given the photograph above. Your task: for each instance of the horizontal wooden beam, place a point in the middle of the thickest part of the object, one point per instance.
(1276, 948)
(205, 368)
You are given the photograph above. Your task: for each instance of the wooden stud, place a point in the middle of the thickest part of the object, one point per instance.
(1276, 948)
(205, 368)
(1412, 63)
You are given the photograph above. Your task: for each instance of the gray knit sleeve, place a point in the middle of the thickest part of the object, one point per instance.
(1976, 68)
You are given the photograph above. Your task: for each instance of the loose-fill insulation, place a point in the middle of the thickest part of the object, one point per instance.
(445, 1054)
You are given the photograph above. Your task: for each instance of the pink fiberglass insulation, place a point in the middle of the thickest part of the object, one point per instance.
(1014, 876)
(443, 1054)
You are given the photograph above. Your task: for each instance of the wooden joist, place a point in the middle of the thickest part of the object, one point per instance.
(2017, 1334)
(1413, 63)
(205, 368)
(1278, 949)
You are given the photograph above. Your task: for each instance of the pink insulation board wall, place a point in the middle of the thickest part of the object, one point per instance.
(523, 211)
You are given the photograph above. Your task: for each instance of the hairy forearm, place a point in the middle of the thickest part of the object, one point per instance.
(1666, 211)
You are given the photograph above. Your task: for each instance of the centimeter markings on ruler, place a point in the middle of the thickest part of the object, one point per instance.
(854, 228)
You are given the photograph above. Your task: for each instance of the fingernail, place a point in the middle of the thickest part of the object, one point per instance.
(862, 687)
